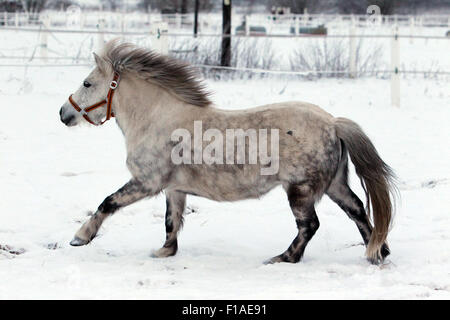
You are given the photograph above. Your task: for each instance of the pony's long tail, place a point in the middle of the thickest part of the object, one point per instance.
(377, 180)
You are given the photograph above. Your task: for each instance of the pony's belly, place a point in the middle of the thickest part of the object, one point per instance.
(221, 193)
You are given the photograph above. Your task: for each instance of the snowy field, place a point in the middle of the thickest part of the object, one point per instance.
(52, 177)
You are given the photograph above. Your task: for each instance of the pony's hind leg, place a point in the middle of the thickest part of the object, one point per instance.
(301, 199)
(175, 204)
(128, 194)
(340, 192)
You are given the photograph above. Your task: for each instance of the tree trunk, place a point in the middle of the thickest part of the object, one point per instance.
(184, 6)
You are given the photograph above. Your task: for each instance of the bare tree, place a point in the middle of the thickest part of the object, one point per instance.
(161, 5)
(176, 6)
(352, 7)
(184, 6)
(112, 5)
(58, 4)
(33, 6)
(250, 6)
(330, 58)
(360, 6)
(296, 6)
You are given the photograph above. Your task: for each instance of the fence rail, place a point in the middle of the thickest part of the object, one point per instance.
(211, 21)
(307, 73)
(45, 28)
(215, 35)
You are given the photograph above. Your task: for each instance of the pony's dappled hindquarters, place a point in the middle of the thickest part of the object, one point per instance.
(158, 95)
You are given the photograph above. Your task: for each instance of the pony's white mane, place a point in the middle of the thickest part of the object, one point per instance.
(169, 73)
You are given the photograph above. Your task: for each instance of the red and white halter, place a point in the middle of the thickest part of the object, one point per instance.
(108, 101)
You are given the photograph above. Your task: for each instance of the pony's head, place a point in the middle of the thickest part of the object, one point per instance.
(117, 57)
(92, 92)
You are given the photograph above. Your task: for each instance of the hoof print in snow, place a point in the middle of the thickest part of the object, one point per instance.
(53, 246)
(69, 174)
(432, 183)
(429, 184)
(350, 245)
(10, 251)
(191, 209)
(386, 264)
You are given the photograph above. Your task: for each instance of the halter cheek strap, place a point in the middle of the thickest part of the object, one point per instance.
(108, 101)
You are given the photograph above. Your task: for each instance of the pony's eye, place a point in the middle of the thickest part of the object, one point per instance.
(86, 84)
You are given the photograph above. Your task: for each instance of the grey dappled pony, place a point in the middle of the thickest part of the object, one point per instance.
(152, 96)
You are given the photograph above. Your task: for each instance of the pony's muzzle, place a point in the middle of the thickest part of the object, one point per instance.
(68, 120)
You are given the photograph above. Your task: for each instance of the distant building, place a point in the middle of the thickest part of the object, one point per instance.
(11, 5)
(280, 10)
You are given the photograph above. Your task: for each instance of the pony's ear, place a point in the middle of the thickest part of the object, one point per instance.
(101, 63)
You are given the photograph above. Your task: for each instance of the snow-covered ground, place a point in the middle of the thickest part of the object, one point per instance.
(52, 177)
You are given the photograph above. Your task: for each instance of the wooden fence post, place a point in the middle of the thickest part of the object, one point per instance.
(395, 68)
(178, 20)
(122, 22)
(160, 41)
(352, 46)
(100, 35)
(43, 50)
(247, 25)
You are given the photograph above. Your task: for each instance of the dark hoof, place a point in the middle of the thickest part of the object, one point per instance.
(385, 251)
(164, 252)
(76, 242)
(270, 261)
(280, 258)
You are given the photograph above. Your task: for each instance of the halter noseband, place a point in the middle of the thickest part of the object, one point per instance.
(84, 112)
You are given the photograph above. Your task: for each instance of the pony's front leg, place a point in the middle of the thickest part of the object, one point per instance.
(175, 204)
(128, 194)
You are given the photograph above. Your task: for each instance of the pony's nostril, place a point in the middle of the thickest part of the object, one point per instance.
(68, 120)
(60, 112)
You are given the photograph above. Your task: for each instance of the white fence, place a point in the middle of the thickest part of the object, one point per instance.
(50, 33)
(211, 22)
